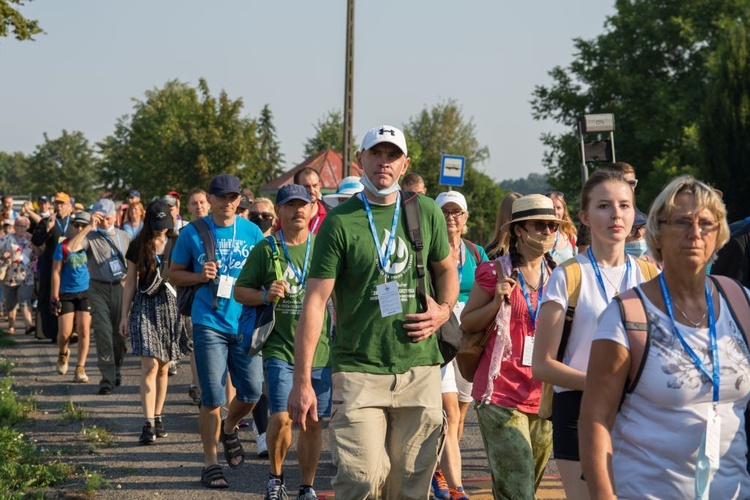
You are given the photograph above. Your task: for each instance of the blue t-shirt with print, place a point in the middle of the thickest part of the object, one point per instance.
(74, 276)
(189, 251)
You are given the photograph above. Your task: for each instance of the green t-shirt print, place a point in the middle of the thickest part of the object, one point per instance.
(345, 250)
(259, 273)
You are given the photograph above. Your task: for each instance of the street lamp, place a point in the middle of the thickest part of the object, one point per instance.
(599, 150)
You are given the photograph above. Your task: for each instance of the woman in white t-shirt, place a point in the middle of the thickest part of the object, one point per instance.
(607, 208)
(696, 373)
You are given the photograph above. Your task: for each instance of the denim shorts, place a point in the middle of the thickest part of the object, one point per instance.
(216, 352)
(279, 381)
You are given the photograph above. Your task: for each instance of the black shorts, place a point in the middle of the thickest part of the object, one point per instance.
(78, 301)
(566, 406)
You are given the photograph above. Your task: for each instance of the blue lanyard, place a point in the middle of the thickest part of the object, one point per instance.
(554, 246)
(461, 261)
(533, 315)
(383, 256)
(598, 273)
(63, 229)
(106, 236)
(219, 254)
(303, 275)
(314, 223)
(711, 335)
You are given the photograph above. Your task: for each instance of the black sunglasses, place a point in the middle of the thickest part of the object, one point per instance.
(540, 226)
(555, 194)
(261, 215)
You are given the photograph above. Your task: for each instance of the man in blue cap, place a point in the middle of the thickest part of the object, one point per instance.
(277, 272)
(105, 247)
(215, 315)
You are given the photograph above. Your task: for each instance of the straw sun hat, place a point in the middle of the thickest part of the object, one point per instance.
(533, 207)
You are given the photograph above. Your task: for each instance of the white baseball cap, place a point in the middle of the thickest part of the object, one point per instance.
(384, 133)
(452, 197)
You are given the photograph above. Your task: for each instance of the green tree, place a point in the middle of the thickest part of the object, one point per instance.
(12, 20)
(725, 130)
(649, 69)
(329, 134)
(441, 130)
(179, 138)
(534, 183)
(14, 177)
(67, 163)
(270, 160)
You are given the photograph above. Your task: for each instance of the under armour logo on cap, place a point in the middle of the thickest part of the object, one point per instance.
(160, 215)
(384, 133)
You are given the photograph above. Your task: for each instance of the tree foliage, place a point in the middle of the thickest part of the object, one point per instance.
(270, 161)
(14, 176)
(725, 130)
(11, 20)
(649, 69)
(441, 130)
(67, 163)
(179, 138)
(533, 183)
(329, 134)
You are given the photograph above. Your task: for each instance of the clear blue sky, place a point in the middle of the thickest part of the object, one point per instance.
(486, 54)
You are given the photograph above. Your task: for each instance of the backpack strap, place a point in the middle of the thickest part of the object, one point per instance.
(65, 251)
(410, 207)
(573, 281)
(275, 256)
(638, 329)
(739, 305)
(207, 238)
(473, 250)
(648, 269)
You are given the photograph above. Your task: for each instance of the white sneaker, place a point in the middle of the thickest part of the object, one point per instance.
(262, 446)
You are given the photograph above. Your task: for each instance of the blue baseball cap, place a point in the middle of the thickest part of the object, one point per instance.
(292, 192)
(640, 219)
(105, 206)
(134, 193)
(224, 184)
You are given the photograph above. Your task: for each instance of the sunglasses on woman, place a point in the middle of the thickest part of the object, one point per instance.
(261, 215)
(541, 225)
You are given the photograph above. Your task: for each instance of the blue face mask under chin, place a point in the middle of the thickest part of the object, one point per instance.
(380, 193)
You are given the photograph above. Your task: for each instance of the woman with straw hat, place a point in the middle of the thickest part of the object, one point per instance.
(507, 294)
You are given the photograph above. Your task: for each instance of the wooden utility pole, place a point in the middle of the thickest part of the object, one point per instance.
(348, 87)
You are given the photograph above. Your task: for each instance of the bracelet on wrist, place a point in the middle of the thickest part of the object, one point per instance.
(265, 296)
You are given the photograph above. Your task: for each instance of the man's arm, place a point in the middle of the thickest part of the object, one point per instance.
(76, 242)
(302, 400)
(43, 230)
(55, 288)
(422, 325)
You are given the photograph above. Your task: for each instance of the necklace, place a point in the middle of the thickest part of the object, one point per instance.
(615, 287)
(695, 325)
(528, 284)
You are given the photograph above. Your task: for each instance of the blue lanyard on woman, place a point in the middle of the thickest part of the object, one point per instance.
(303, 275)
(714, 377)
(554, 251)
(219, 254)
(383, 257)
(598, 273)
(532, 314)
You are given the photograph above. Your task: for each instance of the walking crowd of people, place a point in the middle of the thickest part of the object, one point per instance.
(616, 347)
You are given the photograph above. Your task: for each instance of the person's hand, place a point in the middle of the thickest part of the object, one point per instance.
(6, 255)
(503, 289)
(123, 330)
(210, 271)
(96, 219)
(302, 403)
(56, 307)
(51, 221)
(27, 207)
(277, 290)
(422, 325)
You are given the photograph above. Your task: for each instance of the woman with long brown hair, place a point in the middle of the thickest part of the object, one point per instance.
(153, 323)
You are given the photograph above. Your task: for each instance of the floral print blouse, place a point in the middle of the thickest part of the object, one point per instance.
(20, 263)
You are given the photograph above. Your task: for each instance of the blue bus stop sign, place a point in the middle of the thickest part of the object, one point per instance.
(452, 170)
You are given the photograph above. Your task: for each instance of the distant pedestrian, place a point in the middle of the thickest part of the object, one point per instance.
(150, 316)
(17, 264)
(70, 301)
(105, 247)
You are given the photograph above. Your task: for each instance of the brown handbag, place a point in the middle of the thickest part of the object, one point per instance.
(472, 344)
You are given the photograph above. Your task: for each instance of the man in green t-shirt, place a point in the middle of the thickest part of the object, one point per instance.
(277, 271)
(387, 410)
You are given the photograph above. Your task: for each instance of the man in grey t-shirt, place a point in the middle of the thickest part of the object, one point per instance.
(105, 247)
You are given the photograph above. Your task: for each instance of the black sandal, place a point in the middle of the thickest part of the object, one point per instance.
(232, 447)
(213, 473)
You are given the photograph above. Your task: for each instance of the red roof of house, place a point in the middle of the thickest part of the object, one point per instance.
(327, 163)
